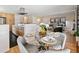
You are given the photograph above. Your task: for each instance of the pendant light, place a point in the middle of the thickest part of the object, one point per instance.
(22, 11)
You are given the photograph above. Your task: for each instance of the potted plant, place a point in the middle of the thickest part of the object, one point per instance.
(77, 35)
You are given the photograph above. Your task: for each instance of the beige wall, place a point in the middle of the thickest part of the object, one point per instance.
(22, 19)
(69, 16)
(10, 18)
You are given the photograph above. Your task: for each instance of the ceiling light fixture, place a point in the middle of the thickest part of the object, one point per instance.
(22, 11)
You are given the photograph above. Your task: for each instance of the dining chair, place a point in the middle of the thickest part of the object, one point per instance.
(61, 40)
(60, 46)
(30, 28)
(21, 42)
(24, 47)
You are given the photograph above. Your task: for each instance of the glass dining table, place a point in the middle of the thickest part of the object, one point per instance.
(43, 43)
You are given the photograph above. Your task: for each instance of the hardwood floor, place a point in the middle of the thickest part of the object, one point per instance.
(70, 44)
(14, 50)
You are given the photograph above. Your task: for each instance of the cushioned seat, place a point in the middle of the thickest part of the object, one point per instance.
(61, 40)
(24, 47)
(31, 48)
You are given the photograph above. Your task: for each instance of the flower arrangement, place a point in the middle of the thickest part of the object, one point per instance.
(43, 29)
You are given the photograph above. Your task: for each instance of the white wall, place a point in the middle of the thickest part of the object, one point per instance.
(34, 19)
(4, 38)
(69, 25)
(46, 20)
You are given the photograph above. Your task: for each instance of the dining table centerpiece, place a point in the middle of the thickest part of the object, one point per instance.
(43, 30)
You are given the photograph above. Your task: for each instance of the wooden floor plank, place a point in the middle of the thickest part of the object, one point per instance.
(14, 50)
(71, 42)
